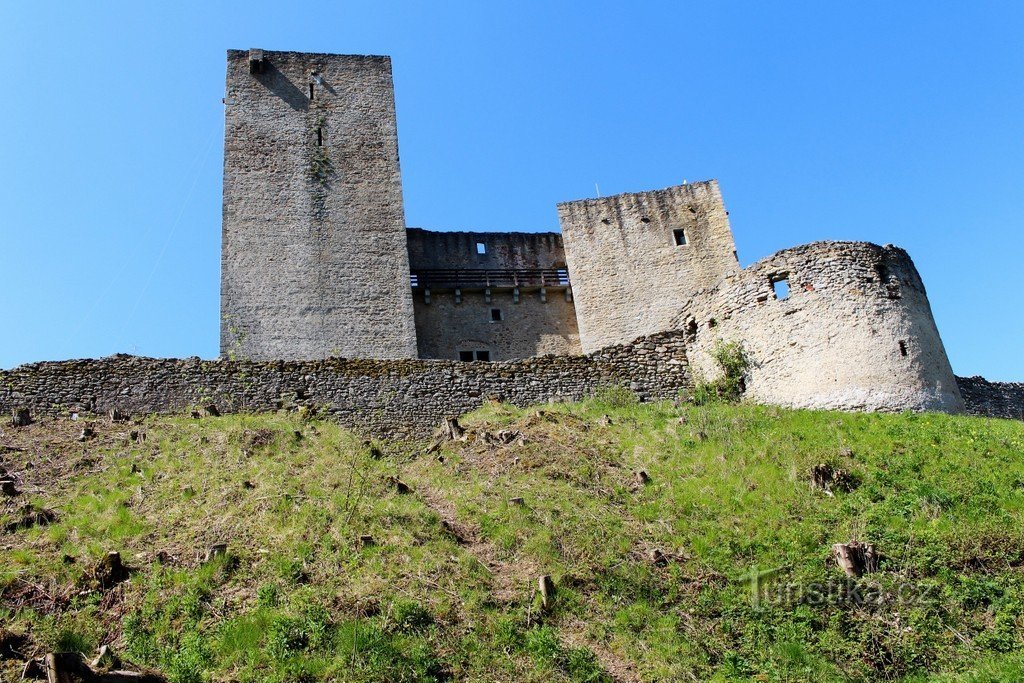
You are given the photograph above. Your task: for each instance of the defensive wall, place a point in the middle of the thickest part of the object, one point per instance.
(502, 294)
(992, 399)
(834, 325)
(389, 398)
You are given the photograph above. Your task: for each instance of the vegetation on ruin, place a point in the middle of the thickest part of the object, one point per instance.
(653, 572)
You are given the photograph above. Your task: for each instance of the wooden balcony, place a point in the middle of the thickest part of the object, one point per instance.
(469, 278)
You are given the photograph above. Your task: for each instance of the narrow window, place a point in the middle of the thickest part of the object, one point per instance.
(319, 137)
(680, 236)
(496, 314)
(465, 355)
(781, 288)
(481, 248)
(903, 348)
(483, 355)
(310, 92)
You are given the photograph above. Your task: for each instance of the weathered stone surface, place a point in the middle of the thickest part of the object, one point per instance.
(380, 397)
(855, 333)
(532, 324)
(992, 399)
(314, 260)
(629, 275)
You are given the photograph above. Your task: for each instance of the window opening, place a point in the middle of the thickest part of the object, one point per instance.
(679, 234)
(903, 348)
(465, 355)
(496, 314)
(781, 288)
(319, 137)
(481, 248)
(310, 92)
(483, 355)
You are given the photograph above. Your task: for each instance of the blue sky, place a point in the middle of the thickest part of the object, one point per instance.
(891, 122)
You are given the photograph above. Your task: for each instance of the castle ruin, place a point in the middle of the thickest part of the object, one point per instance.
(317, 262)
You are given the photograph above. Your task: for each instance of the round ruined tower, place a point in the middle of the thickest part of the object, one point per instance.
(837, 325)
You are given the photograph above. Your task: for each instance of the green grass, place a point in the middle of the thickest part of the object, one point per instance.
(299, 598)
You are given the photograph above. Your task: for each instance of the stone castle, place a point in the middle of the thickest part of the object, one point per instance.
(330, 302)
(317, 262)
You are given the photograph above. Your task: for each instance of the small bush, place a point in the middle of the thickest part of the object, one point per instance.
(731, 383)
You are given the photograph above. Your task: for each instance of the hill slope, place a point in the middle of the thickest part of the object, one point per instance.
(653, 578)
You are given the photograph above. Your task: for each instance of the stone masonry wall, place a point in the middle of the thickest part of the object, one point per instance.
(629, 275)
(314, 259)
(992, 399)
(534, 325)
(379, 397)
(431, 249)
(855, 333)
(531, 327)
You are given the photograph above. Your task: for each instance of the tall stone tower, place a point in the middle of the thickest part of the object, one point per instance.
(634, 258)
(314, 260)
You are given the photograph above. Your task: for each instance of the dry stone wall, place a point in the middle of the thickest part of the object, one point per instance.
(992, 399)
(855, 331)
(314, 259)
(630, 272)
(379, 397)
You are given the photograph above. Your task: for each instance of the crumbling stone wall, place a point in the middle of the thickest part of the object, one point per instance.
(629, 274)
(314, 259)
(856, 331)
(992, 399)
(381, 397)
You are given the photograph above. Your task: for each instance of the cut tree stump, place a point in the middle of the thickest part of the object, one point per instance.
(399, 485)
(111, 571)
(22, 417)
(856, 558)
(547, 591)
(215, 550)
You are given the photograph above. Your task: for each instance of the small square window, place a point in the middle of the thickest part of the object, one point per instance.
(465, 355)
(496, 314)
(481, 248)
(483, 355)
(781, 288)
(680, 236)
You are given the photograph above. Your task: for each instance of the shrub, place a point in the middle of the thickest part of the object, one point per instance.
(732, 361)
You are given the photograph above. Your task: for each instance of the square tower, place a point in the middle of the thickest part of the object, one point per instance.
(636, 258)
(313, 260)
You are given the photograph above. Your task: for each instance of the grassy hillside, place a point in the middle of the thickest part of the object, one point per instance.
(444, 587)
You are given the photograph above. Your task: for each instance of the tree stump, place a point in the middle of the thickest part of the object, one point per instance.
(547, 591)
(216, 550)
(111, 571)
(22, 417)
(856, 558)
(828, 479)
(399, 485)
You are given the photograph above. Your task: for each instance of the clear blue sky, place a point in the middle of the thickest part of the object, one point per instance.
(897, 122)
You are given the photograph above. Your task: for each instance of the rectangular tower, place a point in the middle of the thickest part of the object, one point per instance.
(636, 258)
(314, 260)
